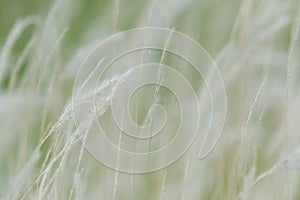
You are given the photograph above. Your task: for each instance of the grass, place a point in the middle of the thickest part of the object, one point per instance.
(43, 86)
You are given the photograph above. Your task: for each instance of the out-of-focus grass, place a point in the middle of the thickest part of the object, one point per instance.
(256, 47)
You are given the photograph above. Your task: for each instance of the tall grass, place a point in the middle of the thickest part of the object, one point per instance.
(256, 46)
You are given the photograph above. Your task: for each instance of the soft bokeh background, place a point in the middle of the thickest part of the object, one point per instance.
(256, 45)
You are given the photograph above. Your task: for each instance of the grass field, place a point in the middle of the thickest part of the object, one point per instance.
(55, 93)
